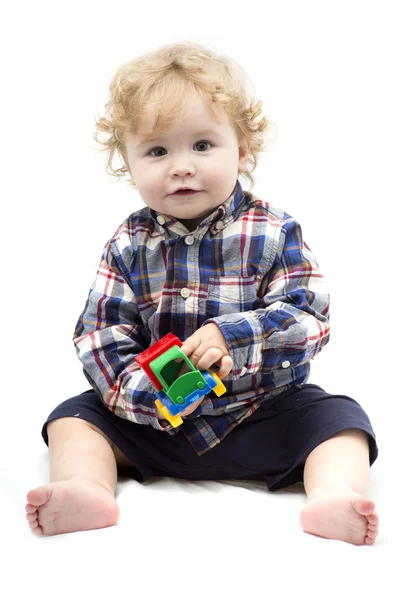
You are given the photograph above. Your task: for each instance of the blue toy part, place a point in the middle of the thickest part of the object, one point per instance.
(210, 381)
(172, 407)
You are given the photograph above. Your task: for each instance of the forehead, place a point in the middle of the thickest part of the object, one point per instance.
(198, 117)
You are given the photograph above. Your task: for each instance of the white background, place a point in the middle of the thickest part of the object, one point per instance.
(328, 74)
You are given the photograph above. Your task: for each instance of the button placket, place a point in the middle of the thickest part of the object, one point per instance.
(189, 293)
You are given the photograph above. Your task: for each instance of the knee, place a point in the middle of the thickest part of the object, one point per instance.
(121, 459)
(65, 428)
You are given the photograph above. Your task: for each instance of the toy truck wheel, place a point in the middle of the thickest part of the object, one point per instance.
(219, 388)
(175, 420)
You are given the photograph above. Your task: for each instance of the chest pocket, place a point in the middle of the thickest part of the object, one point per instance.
(232, 294)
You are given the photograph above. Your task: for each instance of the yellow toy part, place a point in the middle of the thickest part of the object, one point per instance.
(174, 420)
(219, 388)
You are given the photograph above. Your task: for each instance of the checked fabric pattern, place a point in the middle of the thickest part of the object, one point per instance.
(245, 268)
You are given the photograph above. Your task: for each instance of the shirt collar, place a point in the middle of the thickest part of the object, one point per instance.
(222, 216)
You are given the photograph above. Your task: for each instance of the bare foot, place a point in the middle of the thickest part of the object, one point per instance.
(340, 515)
(66, 506)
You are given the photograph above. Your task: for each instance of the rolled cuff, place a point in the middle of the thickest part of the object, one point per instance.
(243, 333)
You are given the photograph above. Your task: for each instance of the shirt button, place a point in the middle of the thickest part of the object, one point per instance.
(219, 225)
(185, 293)
(161, 219)
(285, 364)
(189, 239)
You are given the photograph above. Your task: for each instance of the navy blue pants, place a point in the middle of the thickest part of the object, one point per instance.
(268, 446)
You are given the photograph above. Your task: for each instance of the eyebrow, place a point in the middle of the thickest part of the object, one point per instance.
(149, 140)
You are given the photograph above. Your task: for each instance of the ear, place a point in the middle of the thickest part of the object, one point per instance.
(243, 156)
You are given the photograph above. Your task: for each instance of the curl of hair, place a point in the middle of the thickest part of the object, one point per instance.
(164, 82)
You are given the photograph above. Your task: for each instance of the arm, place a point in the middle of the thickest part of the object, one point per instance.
(292, 325)
(107, 338)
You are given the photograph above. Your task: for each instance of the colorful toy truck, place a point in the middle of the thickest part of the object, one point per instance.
(177, 381)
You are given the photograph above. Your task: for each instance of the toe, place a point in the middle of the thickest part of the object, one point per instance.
(31, 517)
(39, 496)
(369, 541)
(363, 505)
(373, 519)
(37, 530)
(33, 524)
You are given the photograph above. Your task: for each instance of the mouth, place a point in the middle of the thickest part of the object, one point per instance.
(187, 192)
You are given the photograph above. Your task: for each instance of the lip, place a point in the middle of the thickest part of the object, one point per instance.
(184, 192)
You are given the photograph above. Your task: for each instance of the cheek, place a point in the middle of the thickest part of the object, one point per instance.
(224, 162)
(216, 178)
(146, 178)
(222, 173)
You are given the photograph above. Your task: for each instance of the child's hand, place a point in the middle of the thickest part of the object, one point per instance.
(206, 347)
(192, 407)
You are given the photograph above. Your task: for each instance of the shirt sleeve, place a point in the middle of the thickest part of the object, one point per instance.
(292, 324)
(107, 338)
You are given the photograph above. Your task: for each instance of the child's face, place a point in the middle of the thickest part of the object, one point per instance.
(198, 153)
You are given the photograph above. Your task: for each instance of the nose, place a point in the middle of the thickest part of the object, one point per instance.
(182, 166)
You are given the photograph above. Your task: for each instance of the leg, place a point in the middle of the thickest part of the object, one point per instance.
(336, 480)
(83, 475)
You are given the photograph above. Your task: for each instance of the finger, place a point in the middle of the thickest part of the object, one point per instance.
(226, 365)
(211, 356)
(190, 345)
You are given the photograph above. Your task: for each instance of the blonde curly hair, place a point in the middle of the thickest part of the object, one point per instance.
(164, 81)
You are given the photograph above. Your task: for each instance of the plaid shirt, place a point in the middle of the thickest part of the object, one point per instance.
(245, 268)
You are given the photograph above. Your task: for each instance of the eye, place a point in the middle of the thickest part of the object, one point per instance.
(156, 150)
(203, 142)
